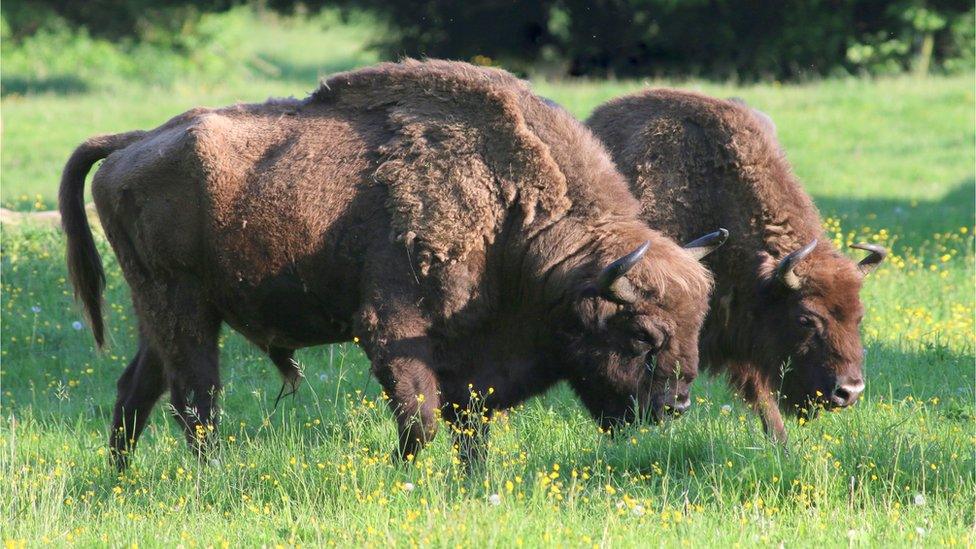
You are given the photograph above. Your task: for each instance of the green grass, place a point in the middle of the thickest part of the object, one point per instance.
(891, 159)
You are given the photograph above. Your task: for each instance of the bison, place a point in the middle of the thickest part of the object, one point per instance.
(784, 316)
(470, 239)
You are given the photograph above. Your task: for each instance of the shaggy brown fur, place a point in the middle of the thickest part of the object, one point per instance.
(438, 211)
(697, 162)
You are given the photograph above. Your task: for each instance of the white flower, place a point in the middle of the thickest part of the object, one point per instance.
(408, 486)
(852, 533)
(36, 309)
(77, 325)
(638, 510)
(726, 408)
(919, 499)
(495, 499)
(920, 531)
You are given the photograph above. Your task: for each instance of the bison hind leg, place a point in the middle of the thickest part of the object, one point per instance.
(139, 387)
(183, 326)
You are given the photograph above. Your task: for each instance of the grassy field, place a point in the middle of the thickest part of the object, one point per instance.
(887, 160)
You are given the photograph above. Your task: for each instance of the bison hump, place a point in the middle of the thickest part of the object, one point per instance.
(461, 158)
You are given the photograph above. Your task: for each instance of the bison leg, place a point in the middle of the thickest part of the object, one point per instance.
(772, 418)
(758, 393)
(765, 401)
(183, 328)
(194, 387)
(393, 331)
(403, 370)
(139, 387)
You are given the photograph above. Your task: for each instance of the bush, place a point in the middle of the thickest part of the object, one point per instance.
(60, 57)
(161, 22)
(461, 30)
(716, 38)
(721, 39)
(745, 39)
(916, 37)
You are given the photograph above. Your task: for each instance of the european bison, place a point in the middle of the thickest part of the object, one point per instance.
(785, 312)
(472, 240)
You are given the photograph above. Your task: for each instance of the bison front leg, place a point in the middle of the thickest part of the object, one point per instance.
(762, 398)
(772, 418)
(402, 367)
(394, 332)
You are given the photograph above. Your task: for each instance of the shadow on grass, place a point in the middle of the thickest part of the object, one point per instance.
(63, 84)
(912, 221)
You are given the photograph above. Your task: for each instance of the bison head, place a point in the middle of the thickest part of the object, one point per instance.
(808, 316)
(633, 345)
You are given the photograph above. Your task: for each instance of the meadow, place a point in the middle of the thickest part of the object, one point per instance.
(887, 160)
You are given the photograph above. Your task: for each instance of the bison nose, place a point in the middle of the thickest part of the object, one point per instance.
(847, 392)
(682, 403)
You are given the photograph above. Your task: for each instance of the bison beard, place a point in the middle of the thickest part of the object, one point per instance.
(437, 212)
(784, 316)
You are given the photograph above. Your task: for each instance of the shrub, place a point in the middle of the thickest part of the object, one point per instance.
(60, 57)
(716, 38)
(745, 39)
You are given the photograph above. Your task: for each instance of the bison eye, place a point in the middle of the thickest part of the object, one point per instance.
(650, 338)
(805, 321)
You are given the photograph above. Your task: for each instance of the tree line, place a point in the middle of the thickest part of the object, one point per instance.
(741, 39)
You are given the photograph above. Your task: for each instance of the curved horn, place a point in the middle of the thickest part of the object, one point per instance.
(611, 283)
(871, 262)
(784, 271)
(701, 247)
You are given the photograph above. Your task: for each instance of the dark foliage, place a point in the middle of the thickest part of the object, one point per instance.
(112, 19)
(714, 38)
(728, 38)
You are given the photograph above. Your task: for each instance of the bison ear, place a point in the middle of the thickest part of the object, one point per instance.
(701, 247)
(784, 271)
(611, 284)
(765, 119)
(871, 262)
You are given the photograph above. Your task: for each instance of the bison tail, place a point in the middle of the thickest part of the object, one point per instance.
(84, 264)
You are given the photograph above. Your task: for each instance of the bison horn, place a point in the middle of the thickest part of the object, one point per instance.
(871, 262)
(784, 271)
(612, 285)
(701, 247)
